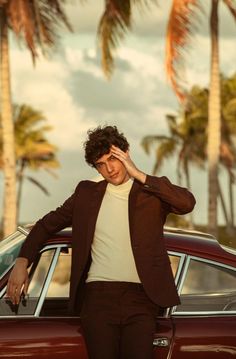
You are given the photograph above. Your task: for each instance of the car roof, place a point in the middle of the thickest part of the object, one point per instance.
(192, 242)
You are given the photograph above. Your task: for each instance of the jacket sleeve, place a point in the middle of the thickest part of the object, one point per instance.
(51, 223)
(178, 199)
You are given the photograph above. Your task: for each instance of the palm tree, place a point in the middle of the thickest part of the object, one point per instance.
(35, 22)
(182, 21)
(188, 138)
(33, 150)
(229, 133)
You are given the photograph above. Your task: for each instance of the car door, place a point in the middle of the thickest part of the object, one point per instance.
(40, 327)
(163, 339)
(205, 322)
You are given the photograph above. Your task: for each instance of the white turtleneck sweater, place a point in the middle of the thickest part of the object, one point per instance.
(112, 256)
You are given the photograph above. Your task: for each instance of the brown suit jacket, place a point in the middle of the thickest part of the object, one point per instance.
(149, 204)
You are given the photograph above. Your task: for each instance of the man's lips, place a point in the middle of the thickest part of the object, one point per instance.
(115, 175)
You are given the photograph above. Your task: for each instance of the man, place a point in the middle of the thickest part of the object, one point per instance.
(117, 249)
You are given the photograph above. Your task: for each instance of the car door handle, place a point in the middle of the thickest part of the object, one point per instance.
(161, 342)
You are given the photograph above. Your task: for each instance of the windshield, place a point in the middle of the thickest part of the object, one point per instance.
(9, 249)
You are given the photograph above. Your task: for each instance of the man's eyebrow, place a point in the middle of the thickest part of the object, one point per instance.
(98, 163)
(101, 162)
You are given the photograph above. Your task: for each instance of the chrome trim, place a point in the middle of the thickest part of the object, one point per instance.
(180, 265)
(3, 291)
(23, 230)
(7, 270)
(161, 342)
(47, 282)
(183, 257)
(205, 313)
(183, 275)
(213, 262)
(18, 238)
(191, 232)
(54, 246)
(228, 249)
(41, 299)
(30, 316)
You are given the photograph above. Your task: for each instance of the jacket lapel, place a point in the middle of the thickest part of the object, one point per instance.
(132, 204)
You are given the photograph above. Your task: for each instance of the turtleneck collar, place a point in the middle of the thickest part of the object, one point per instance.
(124, 187)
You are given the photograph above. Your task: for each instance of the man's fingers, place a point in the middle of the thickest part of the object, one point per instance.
(119, 153)
(26, 286)
(17, 295)
(11, 288)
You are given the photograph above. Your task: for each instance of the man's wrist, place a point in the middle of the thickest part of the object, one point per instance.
(141, 176)
(22, 261)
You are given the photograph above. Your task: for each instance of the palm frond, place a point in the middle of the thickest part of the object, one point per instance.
(232, 7)
(143, 4)
(38, 184)
(36, 22)
(165, 150)
(182, 23)
(21, 20)
(114, 23)
(149, 140)
(173, 125)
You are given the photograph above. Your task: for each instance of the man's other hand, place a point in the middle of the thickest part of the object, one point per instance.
(18, 281)
(132, 170)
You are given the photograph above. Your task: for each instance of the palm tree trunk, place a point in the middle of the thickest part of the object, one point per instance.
(231, 198)
(223, 205)
(9, 202)
(214, 122)
(187, 175)
(20, 185)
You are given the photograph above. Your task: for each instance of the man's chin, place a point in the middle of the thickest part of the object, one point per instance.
(115, 182)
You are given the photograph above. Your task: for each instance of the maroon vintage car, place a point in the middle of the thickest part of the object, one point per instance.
(203, 326)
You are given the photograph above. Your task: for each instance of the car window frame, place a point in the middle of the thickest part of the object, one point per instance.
(182, 278)
(180, 265)
(52, 266)
(179, 281)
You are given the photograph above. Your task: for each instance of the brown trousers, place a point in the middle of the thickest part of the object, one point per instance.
(118, 321)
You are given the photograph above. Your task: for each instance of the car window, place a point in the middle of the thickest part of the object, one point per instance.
(59, 285)
(208, 287)
(38, 276)
(56, 300)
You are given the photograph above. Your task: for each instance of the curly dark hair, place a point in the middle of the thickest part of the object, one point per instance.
(100, 141)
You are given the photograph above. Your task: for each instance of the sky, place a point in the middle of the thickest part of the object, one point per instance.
(74, 95)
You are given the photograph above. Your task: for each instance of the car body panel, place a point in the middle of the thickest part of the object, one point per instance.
(204, 337)
(42, 338)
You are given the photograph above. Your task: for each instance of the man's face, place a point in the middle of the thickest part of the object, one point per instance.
(112, 169)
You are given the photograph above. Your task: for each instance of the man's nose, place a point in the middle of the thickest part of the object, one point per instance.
(109, 168)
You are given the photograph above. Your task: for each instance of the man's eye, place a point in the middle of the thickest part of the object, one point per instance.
(112, 158)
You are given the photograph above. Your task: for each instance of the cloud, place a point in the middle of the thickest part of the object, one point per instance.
(44, 89)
